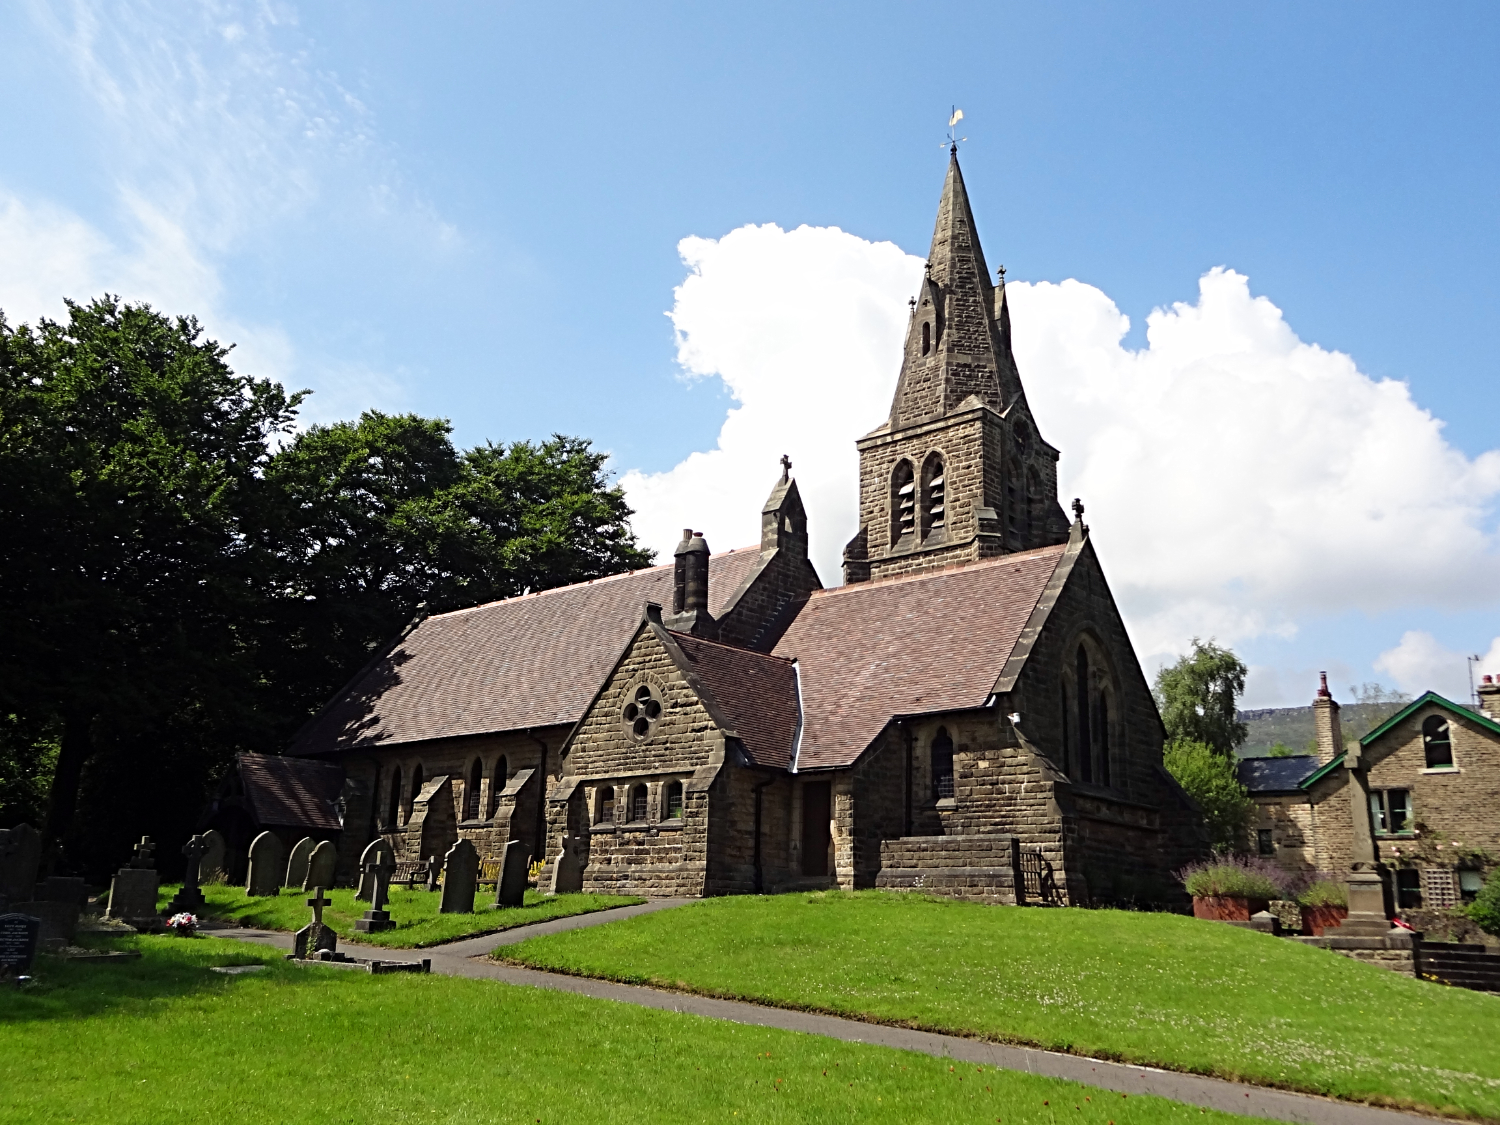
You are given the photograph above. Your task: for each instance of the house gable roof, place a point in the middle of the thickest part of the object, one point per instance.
(929, 643)
(1416, 705)
(532, 661)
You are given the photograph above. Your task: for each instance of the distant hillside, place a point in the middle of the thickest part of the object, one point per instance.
(1293, 726)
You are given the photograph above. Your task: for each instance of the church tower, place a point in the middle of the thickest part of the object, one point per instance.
(958, 472)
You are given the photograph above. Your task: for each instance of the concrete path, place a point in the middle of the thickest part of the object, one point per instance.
(467, 958)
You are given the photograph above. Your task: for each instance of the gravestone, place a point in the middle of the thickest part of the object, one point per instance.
(377, 863)
(132, 894)
(366, 888)
(59, 919)
(20, 853)
(567, 870)
(321, 865)
(267, 864)
(315, 937)
(19, 934)
(296, 864)
(460, 879)
(211, 868)
(434, 869)
(189, 899)
(511, 889)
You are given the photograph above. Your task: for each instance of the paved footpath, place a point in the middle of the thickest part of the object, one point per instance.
(468, 958)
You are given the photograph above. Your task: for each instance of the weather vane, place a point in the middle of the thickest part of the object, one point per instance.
(954, 140)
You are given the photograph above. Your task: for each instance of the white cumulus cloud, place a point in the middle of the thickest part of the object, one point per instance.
(1420, 662)
(1237, 478)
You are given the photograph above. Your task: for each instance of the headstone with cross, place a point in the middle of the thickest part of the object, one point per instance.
(141, 857)
(190, 900)
(377, 863)
(315, 937)
(211, 867)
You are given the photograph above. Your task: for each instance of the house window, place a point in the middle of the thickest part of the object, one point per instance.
(471, 790)
(1437, 742)
(638, 803)
(1408, 888)
(1390, 811)
(903, 501)
(1470, 883)
(942, 765)
(934, 492)
(606, 806)
(1265, 842)
(674, 800)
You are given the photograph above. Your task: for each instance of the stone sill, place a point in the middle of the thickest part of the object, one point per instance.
(947, 803)
(1443, 769)
(490, 823)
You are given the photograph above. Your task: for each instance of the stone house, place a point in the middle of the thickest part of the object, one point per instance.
(966, 714)
(1430, 782)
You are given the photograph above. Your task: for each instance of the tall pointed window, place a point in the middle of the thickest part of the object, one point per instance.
(903, 501)
(1101, 734)
(416, 788)
(471, 790)
(926, 336)
(497, 783)
(934, 496)
(606, 810)
(1085, 727)
(393, 804)
(638, 803)
(942, 764)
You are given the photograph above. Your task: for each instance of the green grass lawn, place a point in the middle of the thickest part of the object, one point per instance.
(164, 1038)
(415, 912)
(1146, 988)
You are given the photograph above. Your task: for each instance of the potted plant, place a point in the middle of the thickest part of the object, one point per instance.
(1231, 888)
(1325, 904)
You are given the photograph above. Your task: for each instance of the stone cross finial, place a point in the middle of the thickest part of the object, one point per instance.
(786, 467)
(911, 303)
(317, 902)
(1002, 275)
(1078, 509)
(143, 850)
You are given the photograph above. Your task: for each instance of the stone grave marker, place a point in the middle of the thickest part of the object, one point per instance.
(460, 879)
(567, 871)
(377, 863)
(19, 934)
(296, 864)
(320, 865)
(190, 899)
(20, 854)
(267, 864)
(132, 894)
(511, 889)
(141, 857)
(366, 887)
(315, 937)
(211, 868)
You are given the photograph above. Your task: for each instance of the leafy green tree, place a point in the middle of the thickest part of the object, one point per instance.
(1485, 909)
(130, 465)
(1199, 697)
(1208, 777)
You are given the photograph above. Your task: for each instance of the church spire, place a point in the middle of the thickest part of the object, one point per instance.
(958, 343)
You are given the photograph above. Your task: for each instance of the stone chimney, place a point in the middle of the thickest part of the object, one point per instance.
(690, 587)
(1326, 722)
(1489, 698)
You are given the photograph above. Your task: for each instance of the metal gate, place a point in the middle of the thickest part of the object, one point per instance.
(1037, 881)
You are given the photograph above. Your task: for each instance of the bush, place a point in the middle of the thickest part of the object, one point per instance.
(1208, 777)
(1484, 911)
(1324, 890)
(1234, 875)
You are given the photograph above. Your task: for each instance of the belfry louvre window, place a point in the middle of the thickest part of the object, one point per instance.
(942, 765)
(673, 801)
(903, 502)
(1437, 742)
(1390, 811)
(934, 496)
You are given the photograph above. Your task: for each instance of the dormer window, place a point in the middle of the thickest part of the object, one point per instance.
(934, 496)
(903, 502)
(1437, 743)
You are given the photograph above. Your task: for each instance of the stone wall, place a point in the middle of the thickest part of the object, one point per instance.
(981, 868)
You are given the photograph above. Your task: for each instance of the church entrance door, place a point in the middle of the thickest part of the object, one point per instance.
(817, 800)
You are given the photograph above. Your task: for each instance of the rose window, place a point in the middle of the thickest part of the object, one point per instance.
(642, 711)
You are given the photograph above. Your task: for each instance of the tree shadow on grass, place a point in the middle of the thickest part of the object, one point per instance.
(169, 968)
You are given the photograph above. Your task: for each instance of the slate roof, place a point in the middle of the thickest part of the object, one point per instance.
(1276, 775)
(532, 661)
(291, 792)
(907, 646)
(755, 693)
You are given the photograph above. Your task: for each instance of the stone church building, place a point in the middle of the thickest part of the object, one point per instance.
(964, 715)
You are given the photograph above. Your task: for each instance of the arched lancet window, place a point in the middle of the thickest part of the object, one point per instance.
(606, 814)
(1033, 504)
(393, 806)
(934, 496)
(926, 336)
(416, 788)
(471, 790)
(672, 800)
(1101, 733)
(1085, 733)
(1067, 730)
(638, 803)
(942, 764)
(497, 783)
(903, 501)
(1437, 742)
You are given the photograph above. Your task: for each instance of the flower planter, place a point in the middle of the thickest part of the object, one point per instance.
(1316, 919)
(1227, 908)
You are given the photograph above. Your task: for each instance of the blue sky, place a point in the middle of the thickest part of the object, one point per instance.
(476, 213)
